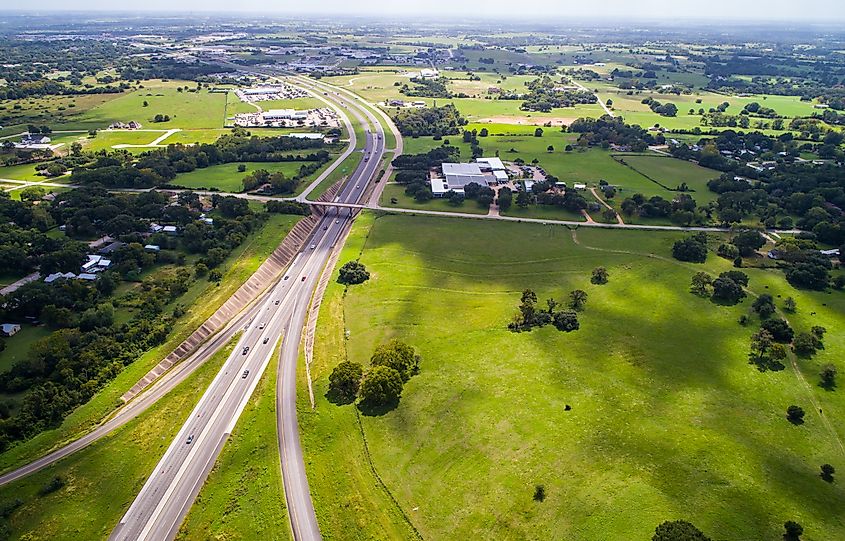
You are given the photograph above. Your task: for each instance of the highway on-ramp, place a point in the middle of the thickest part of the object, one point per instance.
(168, 493)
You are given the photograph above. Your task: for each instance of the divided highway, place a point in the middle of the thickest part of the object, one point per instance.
(167, 495)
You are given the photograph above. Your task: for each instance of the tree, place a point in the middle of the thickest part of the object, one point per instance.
(599, 276)
(550, 148)
(381, 386)
(764, 305)
(792, 530)
(761, 342)
(505, 198)
(779, 329)
(399, 356)
(577, 299)
(538, 132)
(700, 285)
(566, 321)
(241, 167)
(345, 380)
(353, 272)
(806, 344)
(539, 493)
(728, 251)
(692, 249)
(678, 530)
(827, 472)
(795, 414)
(828, 376)
(748, 242)
(727, 290)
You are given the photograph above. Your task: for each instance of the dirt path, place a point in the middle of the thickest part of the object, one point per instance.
(792, 360)
(603, 202)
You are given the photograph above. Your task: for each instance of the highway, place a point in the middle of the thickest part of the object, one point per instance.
(173, 485)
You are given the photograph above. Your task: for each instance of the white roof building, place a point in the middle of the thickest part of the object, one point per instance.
(87, 276)
(284, 114)
(493, 164)
(501, 176)
(456, 176)
(305, 135)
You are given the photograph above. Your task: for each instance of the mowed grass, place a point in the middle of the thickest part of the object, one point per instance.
(20, 172)
(187, 110)
(200, 301)
(227, 178)
(668, 418)
(102, 480)
(397, 192)
(243, 497)
(672, 172)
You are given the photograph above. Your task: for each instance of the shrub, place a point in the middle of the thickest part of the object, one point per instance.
(792, 530)
(795, 414)
(599, 276)
(539, 493)
(827, 472)
(678, 530)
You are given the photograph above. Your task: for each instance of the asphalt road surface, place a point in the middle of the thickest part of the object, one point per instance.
(169, 492)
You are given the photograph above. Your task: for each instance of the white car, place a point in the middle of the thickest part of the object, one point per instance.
(313, 246)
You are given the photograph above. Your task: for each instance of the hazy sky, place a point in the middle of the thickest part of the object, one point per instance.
(787, 10)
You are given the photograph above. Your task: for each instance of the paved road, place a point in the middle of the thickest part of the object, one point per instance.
(166, 497)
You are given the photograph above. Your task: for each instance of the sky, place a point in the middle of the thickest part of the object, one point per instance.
(768, 10)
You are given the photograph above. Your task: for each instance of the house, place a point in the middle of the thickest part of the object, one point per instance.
(111, 248)
(209, 221)
(152, 248)
(579, 186)
(170, 230)
(9, 329)
(155, 228)
(87, 276)
(35, 139)
(418, 104)
(830, 253)
(396, 103)
(59, 276)
(93, 261)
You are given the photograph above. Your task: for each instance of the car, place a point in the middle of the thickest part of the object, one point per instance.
(263, 324)
(189, 440)
(303, 278)
(266, 339)
(286, 277)
(245, 350)
(325, 228)
(313, 246)
(245, 374)
(358, 187)
(366, 158)
(277, 302)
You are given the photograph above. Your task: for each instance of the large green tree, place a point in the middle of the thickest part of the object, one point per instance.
(382, 386)
(399, 356)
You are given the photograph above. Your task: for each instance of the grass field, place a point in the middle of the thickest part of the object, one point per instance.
(672, 172)
(668, 420)
(227, 178)
(102, 480)
(397, 191)
(201, 300)
(243, 497)
(20, 172)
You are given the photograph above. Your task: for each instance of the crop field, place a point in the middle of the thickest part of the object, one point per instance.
(668, 419)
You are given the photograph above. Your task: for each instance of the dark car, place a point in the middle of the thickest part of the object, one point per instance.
(245, 350)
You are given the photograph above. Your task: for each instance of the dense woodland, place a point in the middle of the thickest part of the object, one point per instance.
(436, 121)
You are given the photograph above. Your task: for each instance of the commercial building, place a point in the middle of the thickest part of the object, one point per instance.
(457, 175)
(283, 114)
